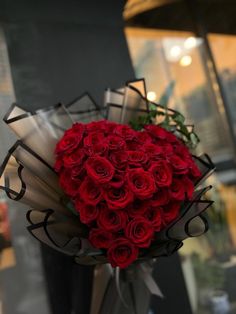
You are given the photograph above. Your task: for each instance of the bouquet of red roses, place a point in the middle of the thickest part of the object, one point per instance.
(113, 184)
(125, 185)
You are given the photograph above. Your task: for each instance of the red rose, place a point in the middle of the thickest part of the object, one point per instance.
(99, 169)
(110, 127)
(161, 172)
(167, 149)
(89, 192)
(182, 150)
(74, 159)
(179, 165)
(72, 188)
(140, 232)
(94, 126)
(77, 172)
(170, 212)
(58, 166)
(189, 187)
(95, 143)
(69, 142)
(154, 215)
(100, 238)
(171, 138)
(93, 138)
(116, 142)
(125, 132)
(98, 149)
(138, 208)
(161, 197)
(137, 158)
(87, 213)
(101, 206)
(141, 183)
(64, 178)
(118, 198)
(111, 220)
(134, 146)
(119, 159)
(77, 128)
(194, 170)
(156, 131)
(118, 180)
(122, 253)
(144, 137)
(69, 185)
(177, 190)
(153, 151)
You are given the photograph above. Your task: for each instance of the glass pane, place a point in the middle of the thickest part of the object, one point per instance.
(176, 72)
(224, 50)
(163, 57)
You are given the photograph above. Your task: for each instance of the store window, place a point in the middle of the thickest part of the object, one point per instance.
(224, 49)
(177, 74)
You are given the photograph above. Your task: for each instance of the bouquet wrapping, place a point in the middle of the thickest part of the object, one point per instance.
(113, 186)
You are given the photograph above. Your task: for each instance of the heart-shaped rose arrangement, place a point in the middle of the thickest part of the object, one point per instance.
(126, 185)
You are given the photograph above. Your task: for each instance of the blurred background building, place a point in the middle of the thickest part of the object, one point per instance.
(188, 48)
(53, 51)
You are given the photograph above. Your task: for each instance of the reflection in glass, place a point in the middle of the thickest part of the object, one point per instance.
(176, 59)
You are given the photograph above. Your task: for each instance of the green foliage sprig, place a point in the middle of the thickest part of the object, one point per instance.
(167, 118)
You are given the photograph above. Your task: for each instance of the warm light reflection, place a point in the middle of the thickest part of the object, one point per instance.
(175, 51)
(151, 96)
(190, 43)
(185, 61)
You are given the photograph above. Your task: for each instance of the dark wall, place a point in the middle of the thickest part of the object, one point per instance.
(59, 49)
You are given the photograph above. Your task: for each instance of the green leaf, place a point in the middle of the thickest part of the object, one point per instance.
(152, 107)
(194, 139)
(178, 117)
(173, 120)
